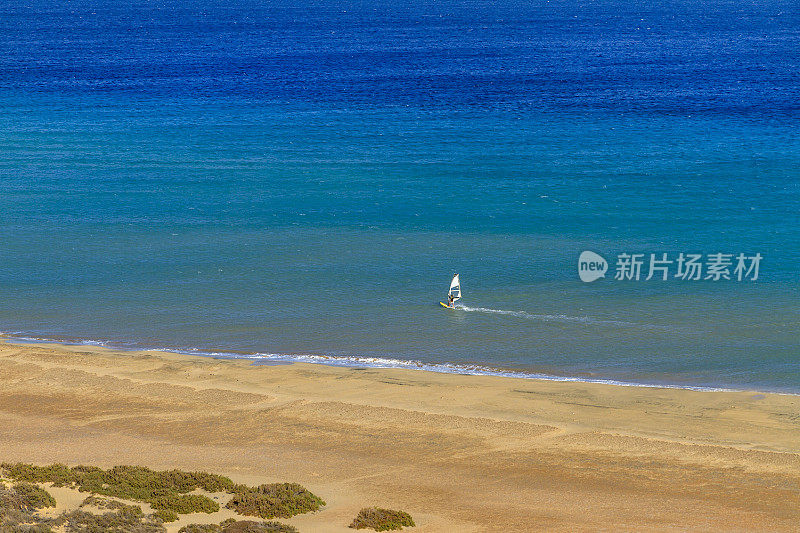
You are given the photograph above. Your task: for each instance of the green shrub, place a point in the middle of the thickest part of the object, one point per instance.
(33, 496)
(83, 470)
(127, 482)
(57, 474)
(212, 482)
(163, 490)
(274, 500)
(136, 483)
(12, 506)
(185, 503)
(127, 520)
(25, 528)
(201, 528)
(166, 515)
(247, 526)
(14, 518)
(102, 503)
(381, 519)
(141, 483)
(168, 490)
(232, 525)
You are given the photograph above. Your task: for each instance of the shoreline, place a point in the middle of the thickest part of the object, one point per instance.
(458, 452)
(381, 363)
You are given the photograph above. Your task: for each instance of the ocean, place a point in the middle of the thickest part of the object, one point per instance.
(298, 181)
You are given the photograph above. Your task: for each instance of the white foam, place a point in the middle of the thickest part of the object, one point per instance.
(445, 368)
(382, 362)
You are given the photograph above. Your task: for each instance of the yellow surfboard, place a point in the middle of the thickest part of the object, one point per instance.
(445, 305)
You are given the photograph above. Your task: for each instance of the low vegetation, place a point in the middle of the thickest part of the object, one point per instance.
(169, 493)
(127, 482)
(33, 496)
(57, 474)
(381, 519)
(281, 500)
(184, 503)
(17, 515)
(12, 507)
(239, 526)
(166, 515)
(164, 491)
(102, 503)
(201, 528)
(129, 519)
(247, 526)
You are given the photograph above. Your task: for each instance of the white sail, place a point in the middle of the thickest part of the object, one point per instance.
(455, 288)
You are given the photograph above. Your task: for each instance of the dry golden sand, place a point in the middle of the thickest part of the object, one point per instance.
(460, 453)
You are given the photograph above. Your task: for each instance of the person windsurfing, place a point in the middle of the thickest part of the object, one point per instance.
(454, 294)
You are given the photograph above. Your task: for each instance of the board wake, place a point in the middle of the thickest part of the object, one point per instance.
(550, 318)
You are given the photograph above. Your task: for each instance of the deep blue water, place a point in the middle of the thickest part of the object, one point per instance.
(304, 177)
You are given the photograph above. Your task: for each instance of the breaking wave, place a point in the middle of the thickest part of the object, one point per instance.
(355, 361)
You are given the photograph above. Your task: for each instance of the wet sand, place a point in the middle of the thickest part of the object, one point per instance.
(460, 453)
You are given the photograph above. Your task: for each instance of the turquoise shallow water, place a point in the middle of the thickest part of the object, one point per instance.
(292, 183)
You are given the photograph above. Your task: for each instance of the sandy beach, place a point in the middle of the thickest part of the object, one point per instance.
(460, 453)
